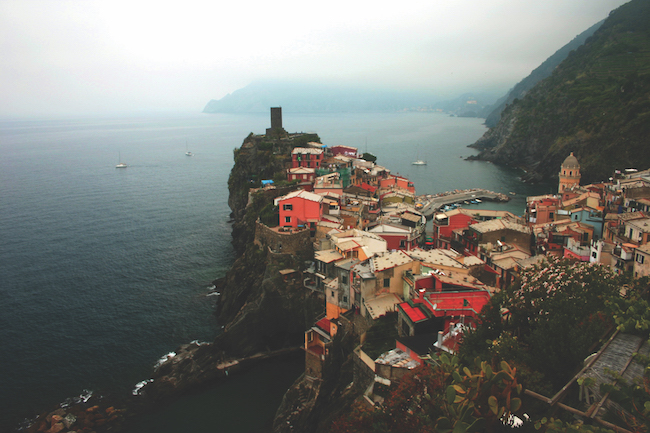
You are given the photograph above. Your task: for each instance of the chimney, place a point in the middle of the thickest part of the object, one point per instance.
(440, 334)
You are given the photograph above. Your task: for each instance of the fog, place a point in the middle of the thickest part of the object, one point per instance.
(101, 57)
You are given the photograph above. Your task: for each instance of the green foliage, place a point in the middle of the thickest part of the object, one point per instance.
(596, 99)
(477, 400)
(556, 314)
(443, 396)
(557, 426)
(269, 216)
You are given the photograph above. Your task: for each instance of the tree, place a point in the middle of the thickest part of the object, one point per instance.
(551, 320)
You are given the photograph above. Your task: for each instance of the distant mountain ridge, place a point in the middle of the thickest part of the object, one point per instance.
(596, 103)
(542, 71)
(310, 97)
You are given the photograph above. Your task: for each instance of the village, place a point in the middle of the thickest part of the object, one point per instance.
(374, 258)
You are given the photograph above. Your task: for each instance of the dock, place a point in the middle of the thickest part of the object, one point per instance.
(433, 203)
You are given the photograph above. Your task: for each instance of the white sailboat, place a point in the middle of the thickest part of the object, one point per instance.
(188, 153)
(419, 161)
(121, 164)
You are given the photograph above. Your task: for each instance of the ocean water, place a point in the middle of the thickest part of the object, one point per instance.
(104, 270)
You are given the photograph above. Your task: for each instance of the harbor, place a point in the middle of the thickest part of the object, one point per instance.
(429, 204)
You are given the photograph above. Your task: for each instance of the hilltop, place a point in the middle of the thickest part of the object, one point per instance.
(595, 104)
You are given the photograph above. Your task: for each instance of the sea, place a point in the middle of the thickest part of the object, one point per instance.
(103, 271)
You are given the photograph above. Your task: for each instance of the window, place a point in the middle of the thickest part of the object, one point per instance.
(287, 220)
(344, 279)
(594, 254)
(386, 282)
(402, 243)
(310, 337)
(287, 207)
(640, 258)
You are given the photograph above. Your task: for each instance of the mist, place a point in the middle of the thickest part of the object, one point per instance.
(101, 57)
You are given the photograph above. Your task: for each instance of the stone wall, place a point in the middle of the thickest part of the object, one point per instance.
(363, 375)
(313, 365)
(282, 242)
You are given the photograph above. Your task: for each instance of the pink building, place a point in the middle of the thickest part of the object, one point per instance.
(300, 208)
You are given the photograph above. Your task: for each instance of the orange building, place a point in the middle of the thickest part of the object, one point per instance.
(569, 173)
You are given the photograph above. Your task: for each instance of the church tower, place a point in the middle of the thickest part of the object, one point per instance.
(569, 173)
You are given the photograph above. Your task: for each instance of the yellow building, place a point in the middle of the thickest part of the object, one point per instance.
(569, 173)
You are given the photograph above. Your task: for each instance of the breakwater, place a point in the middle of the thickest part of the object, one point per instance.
(432, 203)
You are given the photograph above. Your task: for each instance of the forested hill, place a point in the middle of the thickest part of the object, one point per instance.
(542, 71)
(595, 104)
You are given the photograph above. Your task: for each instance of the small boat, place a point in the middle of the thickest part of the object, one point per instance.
(188, 153)
(419, 161)
(478, 200)
(121, 164)
(513, 193)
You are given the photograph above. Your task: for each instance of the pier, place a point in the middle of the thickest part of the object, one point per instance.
(432, 203)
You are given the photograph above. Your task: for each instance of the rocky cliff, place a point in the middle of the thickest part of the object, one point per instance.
(596, 104)
(261, 312)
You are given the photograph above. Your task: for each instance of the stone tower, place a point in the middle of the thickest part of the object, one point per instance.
(276, 117)
(276, 122)
(569, 173)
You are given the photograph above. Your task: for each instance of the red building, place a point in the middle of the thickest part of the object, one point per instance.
(445, 223)
(300, 208)
(306, 157)
(301, 174)
(462, 306)
(397, 182)
(542, 210)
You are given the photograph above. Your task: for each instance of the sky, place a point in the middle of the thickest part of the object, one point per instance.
(102, 57)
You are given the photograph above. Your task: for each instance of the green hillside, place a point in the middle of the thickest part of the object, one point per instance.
(595, 104)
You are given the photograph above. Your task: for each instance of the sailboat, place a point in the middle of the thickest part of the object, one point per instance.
(188, 153)
(120, 163)
(419, 162)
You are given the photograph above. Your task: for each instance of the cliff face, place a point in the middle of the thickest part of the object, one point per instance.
(595, 104)
(260, 310)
